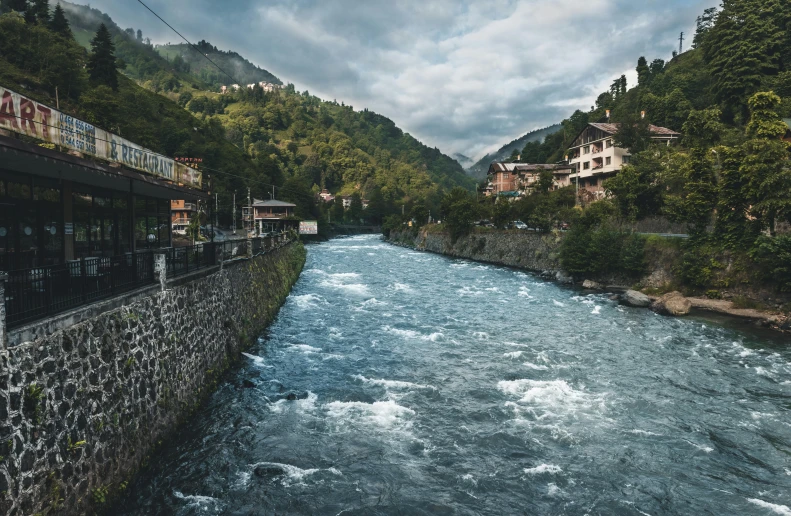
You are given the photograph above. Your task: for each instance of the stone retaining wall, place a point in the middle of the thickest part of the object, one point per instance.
(525, 249)
(81, 409)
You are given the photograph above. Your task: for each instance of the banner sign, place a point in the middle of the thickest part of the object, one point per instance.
(25, 116)
(309, 227)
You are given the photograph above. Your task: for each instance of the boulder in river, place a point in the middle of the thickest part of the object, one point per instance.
(247, 384)
(636, 299)
(269, 470)
(564, 278)
(591, 285)
(672, 303)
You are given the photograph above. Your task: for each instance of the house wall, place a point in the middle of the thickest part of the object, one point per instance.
(82, 408)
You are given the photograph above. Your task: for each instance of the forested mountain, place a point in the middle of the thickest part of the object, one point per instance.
(479, 169)
(248, 138)
(240, 68)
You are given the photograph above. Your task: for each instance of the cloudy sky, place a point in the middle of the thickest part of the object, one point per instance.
(463, 75)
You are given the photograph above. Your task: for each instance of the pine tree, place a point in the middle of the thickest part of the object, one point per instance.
(59, 24)
(743, 46)
(102, 66)
(41, 10)
(643, 72)
(30, 13)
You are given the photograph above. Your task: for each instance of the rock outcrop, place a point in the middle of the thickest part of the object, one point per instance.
(635, 299)
(592, 285)
(672, 303)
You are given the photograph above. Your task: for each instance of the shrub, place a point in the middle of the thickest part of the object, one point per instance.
(773, 257)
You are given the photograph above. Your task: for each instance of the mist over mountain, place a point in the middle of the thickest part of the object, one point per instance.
(231, 62)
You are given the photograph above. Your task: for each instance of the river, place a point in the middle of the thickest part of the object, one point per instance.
(425, 385)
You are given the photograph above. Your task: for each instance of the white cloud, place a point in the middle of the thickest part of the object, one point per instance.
(466, 76)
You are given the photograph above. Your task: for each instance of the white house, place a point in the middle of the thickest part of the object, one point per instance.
(594, 156)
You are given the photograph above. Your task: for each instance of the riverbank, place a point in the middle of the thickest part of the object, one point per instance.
(539, 253)
(86, 405)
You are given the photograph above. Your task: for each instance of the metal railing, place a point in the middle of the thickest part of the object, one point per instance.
(37, 293)
(183, 260)
(32, 294)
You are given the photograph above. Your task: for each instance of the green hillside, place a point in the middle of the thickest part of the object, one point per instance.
(249, 138)
(240, 68)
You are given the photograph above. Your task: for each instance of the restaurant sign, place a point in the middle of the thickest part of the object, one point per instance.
(309, 227)
(25, 116)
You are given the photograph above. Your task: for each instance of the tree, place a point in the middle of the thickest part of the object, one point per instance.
(41, 10)
(637, 191)
(139, 35)
(766, 163)
(546, 179)
(30, 14)
(633, 134)
(15, 5)
(337, 212)
(502, 213)
(744, 44)
(459, 211)
(356, 207)
(59, 24)
(643, 72)
(704, 24)
(102, 66)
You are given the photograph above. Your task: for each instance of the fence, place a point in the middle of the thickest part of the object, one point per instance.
(37, 293)
(32, 294)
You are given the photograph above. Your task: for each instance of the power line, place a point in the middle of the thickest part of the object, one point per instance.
(188, 42)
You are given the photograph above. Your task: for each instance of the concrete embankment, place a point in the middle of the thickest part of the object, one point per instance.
(83, 407)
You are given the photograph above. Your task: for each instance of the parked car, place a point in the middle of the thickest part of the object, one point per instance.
(518, 224)
(179, 229)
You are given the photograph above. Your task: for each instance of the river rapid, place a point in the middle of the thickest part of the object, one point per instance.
(425, 385)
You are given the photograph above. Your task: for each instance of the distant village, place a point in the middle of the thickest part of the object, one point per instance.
(266, 86)
(592, 158)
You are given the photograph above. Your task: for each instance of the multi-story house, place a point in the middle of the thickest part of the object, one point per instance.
(594, 156)
(268, 216)
(518, 179)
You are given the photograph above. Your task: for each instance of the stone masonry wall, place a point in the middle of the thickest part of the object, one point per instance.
(83, 408)
(525, 250)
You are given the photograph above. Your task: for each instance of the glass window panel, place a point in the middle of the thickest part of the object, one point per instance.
(140, 205)
(96, 237)
(164, 234)
(120, 202)
(153, 235)
(124, 237)
(28, 237)
(41, 193)
(84, 199)
(18, 190)
(140, 233)
(164, 206)
(81, 233)
(108, 236)
(101, 201)
(2, 188)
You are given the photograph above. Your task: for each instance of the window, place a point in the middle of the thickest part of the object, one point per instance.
(608, 160)
(609, 143)
(505, 176)
(586, 149)
(586, 165)
(627, 160)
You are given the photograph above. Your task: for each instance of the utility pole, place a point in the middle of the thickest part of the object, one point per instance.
(216, 210)
(681, 43)
(234, 212)
(250, 211)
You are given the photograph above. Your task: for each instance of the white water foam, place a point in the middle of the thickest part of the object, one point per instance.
(549, 400)
(644, 432)
(596, 310)
(293, 474)
(549, 469)
(309, 301)
(308, 350)
(537, 367)
(558, 303)
(196, 500)
(392, 384)
(401, 287)
(701, 447)
(513, 354)
(258, 361)
(387, 415)
(301, 406)
(783, 510)
(340, 281)
(412, 334)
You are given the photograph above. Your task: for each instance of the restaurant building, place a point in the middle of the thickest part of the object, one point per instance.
(87, 194)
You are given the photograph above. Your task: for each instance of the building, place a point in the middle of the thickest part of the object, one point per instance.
(181, 212)
(518, 179)
(269, 216)
(104, 198)
(594, 156)
(326, 196)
